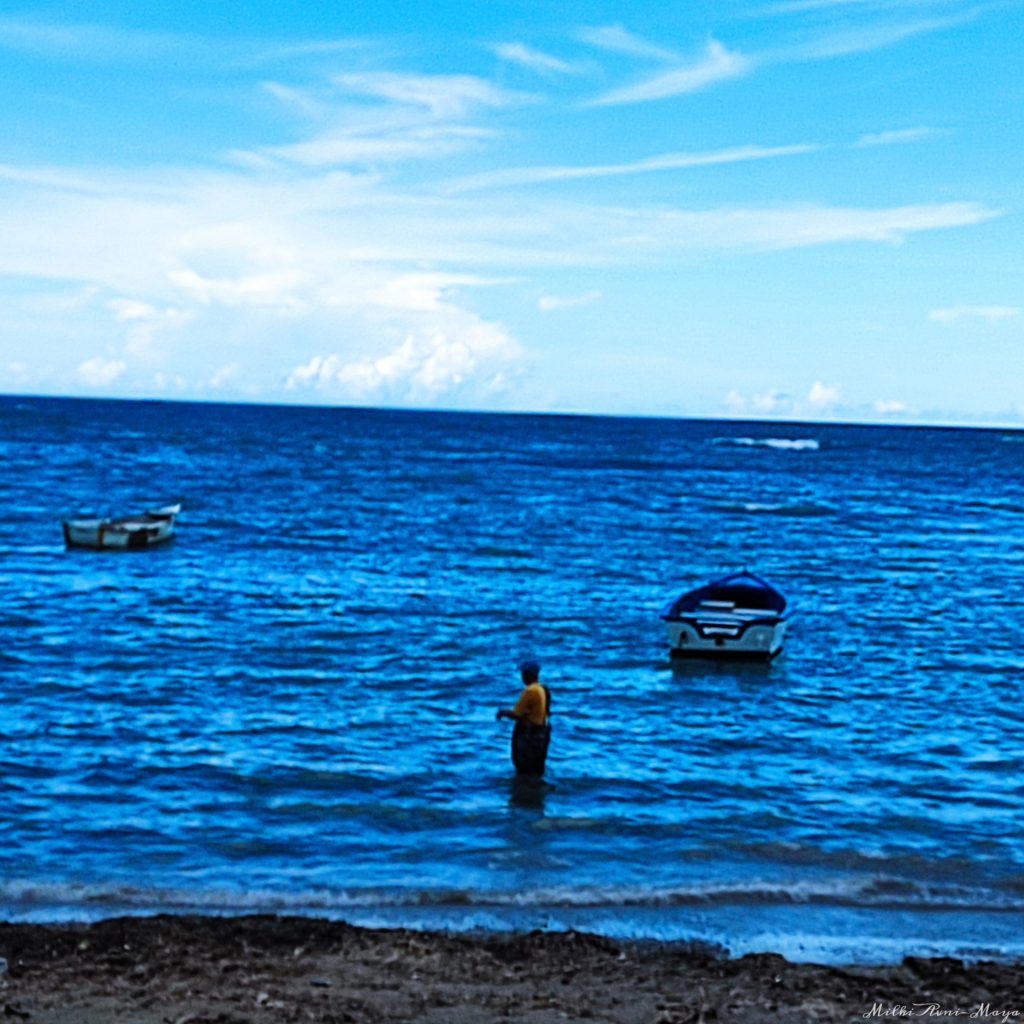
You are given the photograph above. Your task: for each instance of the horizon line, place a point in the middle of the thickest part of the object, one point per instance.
(554, 414)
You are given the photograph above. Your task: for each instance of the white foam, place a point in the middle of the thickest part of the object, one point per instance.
(794, 444)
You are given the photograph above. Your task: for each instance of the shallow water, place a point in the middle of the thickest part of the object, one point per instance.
(291, 706)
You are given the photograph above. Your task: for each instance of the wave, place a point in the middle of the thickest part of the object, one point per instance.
(800, 510)
(876, 893)
(790, 444)
(815, 923)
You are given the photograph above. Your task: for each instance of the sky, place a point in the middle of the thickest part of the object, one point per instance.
(788, 209)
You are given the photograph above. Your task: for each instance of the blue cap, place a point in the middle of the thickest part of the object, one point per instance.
(529, 666)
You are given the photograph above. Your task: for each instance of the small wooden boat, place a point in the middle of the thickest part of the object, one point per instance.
(739, 616)
(131, 532)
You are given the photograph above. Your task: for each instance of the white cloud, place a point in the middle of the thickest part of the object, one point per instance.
(991, 313)
(341, 148)
(420, 369)
(420, 290)
(547, 303)
(617, 39)
(718, 65)
(535, 60)
(447, 350)
(895, 137)
(801, 226)
(278, 288)
(225, 376)
(662, 162)
(769, 403)
(871, 37)
(735, 402)
(416, 117)
(144, 321)
(891, 407)
(823, 396)
(441, 96)
(98, 372)
(799, 6)
(169, 382)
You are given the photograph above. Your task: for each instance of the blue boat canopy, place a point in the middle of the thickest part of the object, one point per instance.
(741, 589)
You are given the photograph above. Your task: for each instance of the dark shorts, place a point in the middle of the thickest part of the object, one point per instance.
(530, 747)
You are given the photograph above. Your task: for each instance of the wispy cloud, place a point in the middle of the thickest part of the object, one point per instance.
(441, 96)
(801, 6)
(663, 162)
(548, 303)
(718, 65)
(891, 407)
(415, 117)
(895, 137)
(617, 39)
(870, 37)
(535, 60)
(90, 43)
(991, 313)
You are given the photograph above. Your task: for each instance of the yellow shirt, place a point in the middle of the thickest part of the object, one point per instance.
(532, 705)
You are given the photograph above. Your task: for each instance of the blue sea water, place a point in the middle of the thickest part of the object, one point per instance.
(291, 707)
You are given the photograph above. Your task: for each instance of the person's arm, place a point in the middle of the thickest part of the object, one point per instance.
(524, 706)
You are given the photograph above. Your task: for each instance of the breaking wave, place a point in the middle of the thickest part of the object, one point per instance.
(792, 444)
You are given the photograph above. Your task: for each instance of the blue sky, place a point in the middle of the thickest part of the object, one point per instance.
(802, 209)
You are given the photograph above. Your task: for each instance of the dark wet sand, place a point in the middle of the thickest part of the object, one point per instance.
(262, 969)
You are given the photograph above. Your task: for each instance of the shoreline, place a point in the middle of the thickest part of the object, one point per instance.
(254, 969)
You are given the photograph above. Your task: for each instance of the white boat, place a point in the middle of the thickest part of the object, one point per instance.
(738, 616)
(130, 532)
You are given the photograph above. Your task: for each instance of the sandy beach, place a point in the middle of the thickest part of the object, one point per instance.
(259, 969)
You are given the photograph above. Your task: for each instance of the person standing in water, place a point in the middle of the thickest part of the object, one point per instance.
(532, 732)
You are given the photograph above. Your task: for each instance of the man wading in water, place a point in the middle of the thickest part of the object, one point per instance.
(532, 731)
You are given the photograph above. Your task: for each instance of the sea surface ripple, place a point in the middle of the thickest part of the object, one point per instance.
(291, 706)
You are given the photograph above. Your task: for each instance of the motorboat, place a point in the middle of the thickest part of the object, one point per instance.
(144, 530)
(738, 616)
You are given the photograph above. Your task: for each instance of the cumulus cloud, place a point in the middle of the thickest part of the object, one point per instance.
(823, 396)
(145, 321)
(98, 372)
(768, 403)
(446, 350)
(820, 399)
(421, 368)
(991, 313)
(718, 65)
(224, 376)
(547, 303)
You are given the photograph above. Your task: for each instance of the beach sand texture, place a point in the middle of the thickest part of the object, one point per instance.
(262, 969)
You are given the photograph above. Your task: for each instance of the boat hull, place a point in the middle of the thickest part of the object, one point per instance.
(143, 531)
(750, 641)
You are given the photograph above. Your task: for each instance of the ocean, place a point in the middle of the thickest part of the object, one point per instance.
(291, 707)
